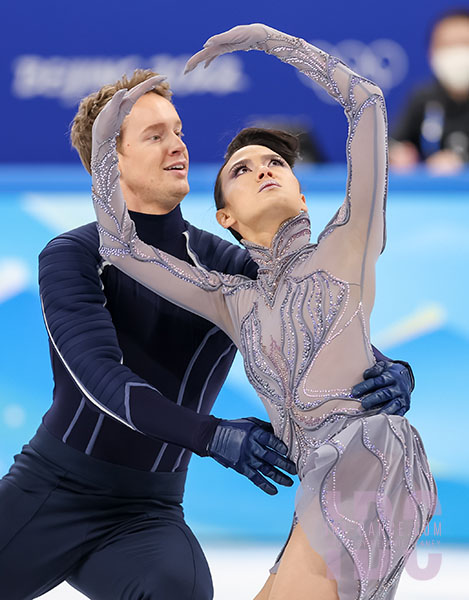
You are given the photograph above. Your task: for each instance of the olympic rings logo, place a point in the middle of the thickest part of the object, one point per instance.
(383, 61)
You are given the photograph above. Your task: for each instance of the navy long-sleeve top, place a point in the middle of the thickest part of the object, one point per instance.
(135, 376)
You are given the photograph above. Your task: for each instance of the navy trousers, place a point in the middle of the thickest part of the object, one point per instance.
(113, 533)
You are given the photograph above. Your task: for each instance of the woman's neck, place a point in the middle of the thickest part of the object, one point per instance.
(265, 235)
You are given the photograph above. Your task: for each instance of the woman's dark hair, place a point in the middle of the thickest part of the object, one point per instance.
(283, 143)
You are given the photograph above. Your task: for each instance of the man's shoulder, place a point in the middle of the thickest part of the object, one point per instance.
(201, 236)
(215, 253)
(83, 239)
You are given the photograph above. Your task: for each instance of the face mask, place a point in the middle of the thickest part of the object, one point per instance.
(451, 67)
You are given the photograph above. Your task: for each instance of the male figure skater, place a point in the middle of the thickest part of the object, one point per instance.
(95, 498)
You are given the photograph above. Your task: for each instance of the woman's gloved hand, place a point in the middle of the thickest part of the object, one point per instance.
(242, 37)
(105, 172)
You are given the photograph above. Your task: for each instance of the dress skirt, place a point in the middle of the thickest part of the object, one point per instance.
(366, 497)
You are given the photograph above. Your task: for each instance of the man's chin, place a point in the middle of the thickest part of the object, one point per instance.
(182, 190)
(178, 192)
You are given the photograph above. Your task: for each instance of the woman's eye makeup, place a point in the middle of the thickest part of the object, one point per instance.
(238, 169)
(278, 161)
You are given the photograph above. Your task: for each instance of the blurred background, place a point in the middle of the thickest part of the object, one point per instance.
(54, 53)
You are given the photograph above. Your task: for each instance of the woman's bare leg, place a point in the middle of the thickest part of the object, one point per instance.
(302, 573)
(264, 594)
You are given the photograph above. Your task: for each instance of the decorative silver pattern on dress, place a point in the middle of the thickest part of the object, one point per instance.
(383, 521)
(327, 492)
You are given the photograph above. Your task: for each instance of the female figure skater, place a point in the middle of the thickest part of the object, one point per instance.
(366, 492)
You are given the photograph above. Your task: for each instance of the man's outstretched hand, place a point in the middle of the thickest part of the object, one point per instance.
(387, 385)
(249, 447)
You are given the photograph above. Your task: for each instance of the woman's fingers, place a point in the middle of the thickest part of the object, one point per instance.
(105, 123)
(111, 107)
(235, 35)
(131, 96)
(110, 119)
(206, 55)
(241, 37)
(134, 94)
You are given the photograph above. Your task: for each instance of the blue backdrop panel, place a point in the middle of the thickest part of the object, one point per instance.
(420, 316)
(55, 52)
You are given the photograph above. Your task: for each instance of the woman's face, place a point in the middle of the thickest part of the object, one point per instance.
(260, 192)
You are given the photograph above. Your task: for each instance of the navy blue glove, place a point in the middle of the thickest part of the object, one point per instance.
(387, 384)
(249, 447)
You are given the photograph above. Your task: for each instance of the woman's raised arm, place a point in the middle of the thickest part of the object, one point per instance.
(192, 288)
(363, 103)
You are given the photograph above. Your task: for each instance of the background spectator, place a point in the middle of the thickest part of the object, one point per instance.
(434, 125)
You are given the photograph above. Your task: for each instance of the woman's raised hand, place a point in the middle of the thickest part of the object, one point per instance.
(110, 119)
(242, 37)
(108, 199)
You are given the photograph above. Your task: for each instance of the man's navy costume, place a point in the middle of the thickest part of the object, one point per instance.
(95, 497)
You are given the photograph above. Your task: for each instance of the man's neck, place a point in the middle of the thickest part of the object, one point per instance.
(155, 228)
(152, 208)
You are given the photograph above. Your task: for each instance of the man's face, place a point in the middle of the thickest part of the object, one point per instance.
(153, 159)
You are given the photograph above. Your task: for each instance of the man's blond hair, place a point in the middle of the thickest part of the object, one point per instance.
(92, 105)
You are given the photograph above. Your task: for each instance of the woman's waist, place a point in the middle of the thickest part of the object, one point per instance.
(312, 412)
(306, 430)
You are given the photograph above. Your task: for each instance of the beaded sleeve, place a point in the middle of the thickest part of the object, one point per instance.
(190, 287)
(366, 147)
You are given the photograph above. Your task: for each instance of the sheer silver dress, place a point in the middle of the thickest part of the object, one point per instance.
(366, 492)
